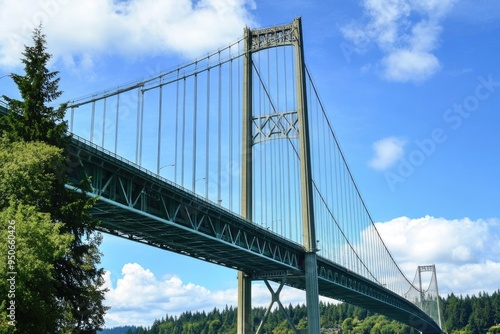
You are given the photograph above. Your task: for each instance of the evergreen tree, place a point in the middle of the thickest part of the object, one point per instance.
(451, 312)
(495, 302)
(465, 312)
(78, 281)
(31, 119)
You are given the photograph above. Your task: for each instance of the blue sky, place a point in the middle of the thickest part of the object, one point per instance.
(412, 89)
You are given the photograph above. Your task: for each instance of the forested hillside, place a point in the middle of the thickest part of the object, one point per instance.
(462, 315)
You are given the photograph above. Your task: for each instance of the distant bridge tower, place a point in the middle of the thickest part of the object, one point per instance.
(256, 40)
(429, 297)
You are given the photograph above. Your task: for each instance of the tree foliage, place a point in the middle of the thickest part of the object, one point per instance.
(472, 314)
(30, 119)
(38, 243)
(33, 175)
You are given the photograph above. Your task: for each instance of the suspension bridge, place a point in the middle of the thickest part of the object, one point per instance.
(232, 159)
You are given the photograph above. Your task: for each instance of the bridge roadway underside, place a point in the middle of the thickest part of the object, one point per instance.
(138, 205)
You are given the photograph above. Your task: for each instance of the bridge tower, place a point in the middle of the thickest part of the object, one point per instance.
(256, 40)
(429, 298)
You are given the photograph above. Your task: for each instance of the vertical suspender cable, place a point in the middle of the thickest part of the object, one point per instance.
(280, 154)
(384, 264)
(331, 162)
(374, 249)
(361, 245)
(207, 139)
(300, 232)
(103, 124)
(138, 126)
(288, 187)
(141, 128)
(160, 109)
(273, 165)
(382, 261)
(325, 223)
(195, 123)
(238, 118)
(336, 206)
(183, 142)
(231, 134)
(351, 227)
(359, 229)
(279, 188)
(71, 119)
(376, 254)
(92, 123)
(239, 121)
(116, 122)
(219, 137)
(263, 163)
(176, 126)
(371, 253)
(277, 82)
(365, 244)
(290, 175)
(342, 213)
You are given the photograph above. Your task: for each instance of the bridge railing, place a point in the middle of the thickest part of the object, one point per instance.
(183, 124)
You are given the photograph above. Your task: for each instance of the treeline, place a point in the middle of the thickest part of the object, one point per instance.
(224, 322)
(462, 315)
(476, 314)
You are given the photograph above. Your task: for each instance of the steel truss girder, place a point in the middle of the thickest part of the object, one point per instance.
(273, 37)
(428, 268)
(275, 126)
(137, 205)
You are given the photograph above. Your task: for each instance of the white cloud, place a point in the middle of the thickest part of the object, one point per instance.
(407, 65)
(77, 29)
(139, 297)
(387, 152)
(466, 252)
(406, 32)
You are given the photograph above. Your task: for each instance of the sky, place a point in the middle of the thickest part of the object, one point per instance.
(412, 88)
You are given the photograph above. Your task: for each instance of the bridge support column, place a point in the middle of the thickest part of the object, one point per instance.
(244, 303)
(244, 281)
(312, 294)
